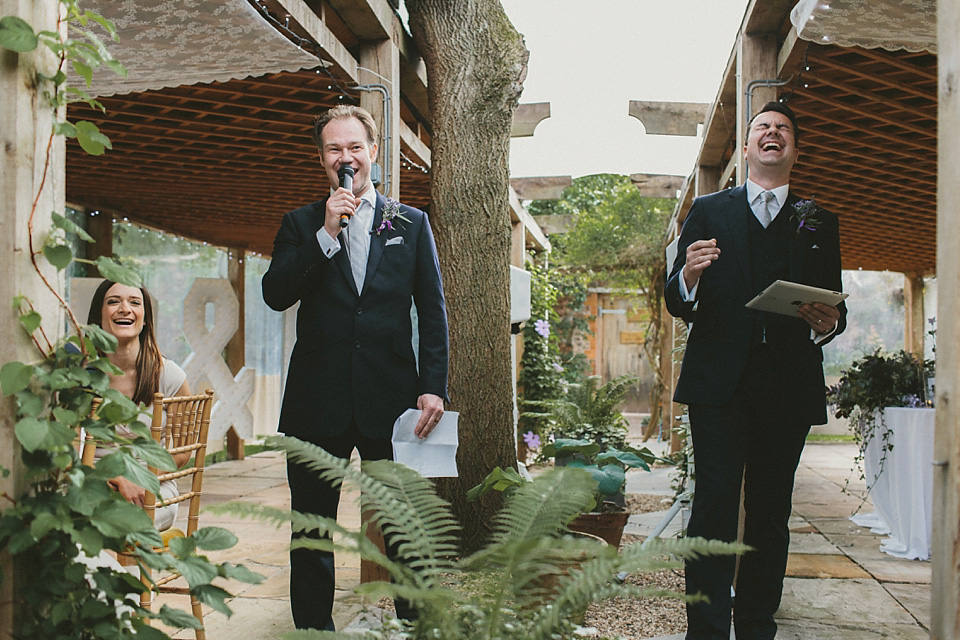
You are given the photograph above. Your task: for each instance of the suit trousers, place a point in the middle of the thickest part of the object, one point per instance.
(312, 580)
(749, 440)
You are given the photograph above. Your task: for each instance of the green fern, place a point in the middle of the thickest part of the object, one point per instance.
(529, 583)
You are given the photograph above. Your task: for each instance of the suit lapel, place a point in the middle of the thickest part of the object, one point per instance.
(737, 218)
(377, 242)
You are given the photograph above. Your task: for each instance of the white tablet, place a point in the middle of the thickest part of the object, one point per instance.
(786, 297)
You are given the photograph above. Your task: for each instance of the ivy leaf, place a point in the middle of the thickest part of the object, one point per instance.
(30, 321)
(17, 35)
(177, 618)
(90, 540)
(154, 454)
(85, 71)
(182, 547)
(91, 140)
(241, 573)
(198, 572)
(59, 255)
(15, 377)
(119, 518)
(111, 270)
(214, 539)
(103, 341)
(29, 403)
(34, 434)
(213, 596)
(65, 416)
(65, 129)
(70, 226)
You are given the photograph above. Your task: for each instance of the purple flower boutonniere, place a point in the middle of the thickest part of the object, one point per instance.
(391, 216)
(806, 215)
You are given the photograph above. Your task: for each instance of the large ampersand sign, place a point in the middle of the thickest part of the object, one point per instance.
(205, 367)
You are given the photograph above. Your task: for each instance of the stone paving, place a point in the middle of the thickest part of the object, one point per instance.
(839, 585)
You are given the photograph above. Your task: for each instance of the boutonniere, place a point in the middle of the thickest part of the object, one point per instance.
(391, 212)
(806, 215)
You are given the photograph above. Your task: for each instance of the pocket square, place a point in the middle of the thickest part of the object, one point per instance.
(816, 246)
(397, 240)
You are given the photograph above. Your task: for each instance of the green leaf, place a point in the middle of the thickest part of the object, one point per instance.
(30, 321)
(90, 540)
(214, 539)
(17, 35)
(85, 71)
(111, 270)
(14, 377)
(241, 573)
(65, 129)
(196, 571)
(214, 596)
(153, 453)
(30, 404)
(119, 518)
(92, 141)
(58, 255)
(70, 226)
(65, 416)
(182, 547)
(103, 341)
(32, 433)
(177, 618)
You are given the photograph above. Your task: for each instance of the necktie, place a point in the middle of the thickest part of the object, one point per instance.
(359, 238)
(765, 210)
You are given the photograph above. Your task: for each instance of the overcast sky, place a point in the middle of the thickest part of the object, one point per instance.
(588, 59)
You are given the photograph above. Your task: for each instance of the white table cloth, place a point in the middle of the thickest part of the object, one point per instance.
(902, 492)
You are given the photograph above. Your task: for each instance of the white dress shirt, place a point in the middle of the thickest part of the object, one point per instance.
(363, 220)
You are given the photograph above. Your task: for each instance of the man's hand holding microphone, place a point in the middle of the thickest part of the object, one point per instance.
(342, 204)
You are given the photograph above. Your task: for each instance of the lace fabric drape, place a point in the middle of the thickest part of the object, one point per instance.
(886, 24)
(167, 43)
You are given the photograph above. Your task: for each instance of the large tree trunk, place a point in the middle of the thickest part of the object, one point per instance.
(476, 62)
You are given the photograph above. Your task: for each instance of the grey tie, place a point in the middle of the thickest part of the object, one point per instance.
(359, 239)
(765, 210)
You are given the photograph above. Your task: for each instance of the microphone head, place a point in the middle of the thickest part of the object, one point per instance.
(345, 170)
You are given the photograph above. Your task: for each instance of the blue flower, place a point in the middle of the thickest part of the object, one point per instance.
(542, 327)
(531, 439)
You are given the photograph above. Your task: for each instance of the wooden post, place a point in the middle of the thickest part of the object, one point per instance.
(381, 65)
(236, 348)
(914, 323)
(31, 170)
(945, 585)
(756, 60)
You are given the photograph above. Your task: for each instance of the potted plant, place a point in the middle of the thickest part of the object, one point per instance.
(608, 467)
(874, 382)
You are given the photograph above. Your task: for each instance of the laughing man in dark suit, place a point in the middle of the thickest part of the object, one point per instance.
(353, 370)
(753, 381)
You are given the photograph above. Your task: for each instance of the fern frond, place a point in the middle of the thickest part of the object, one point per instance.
(404, 503)
(543, 507)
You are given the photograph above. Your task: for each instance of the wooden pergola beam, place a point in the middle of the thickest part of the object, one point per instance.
(312, 24)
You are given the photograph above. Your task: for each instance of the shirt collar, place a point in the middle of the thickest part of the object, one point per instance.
(754, 190)
(370, 197)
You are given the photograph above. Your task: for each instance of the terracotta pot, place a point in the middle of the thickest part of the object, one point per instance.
(608, 526)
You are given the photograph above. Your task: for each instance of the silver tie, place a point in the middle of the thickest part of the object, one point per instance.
(359, 238)
(764, 212)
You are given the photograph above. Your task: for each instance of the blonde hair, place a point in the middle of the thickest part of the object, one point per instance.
(340, 113)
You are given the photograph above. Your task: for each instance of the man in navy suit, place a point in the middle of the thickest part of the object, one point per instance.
(353, 370)
(753, 381)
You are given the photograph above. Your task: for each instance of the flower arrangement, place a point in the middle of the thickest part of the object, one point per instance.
(875, 381)
(391, 212)
(806, 215)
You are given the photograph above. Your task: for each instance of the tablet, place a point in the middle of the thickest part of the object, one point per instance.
(786, 297)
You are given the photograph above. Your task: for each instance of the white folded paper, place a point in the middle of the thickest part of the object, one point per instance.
(433, 457)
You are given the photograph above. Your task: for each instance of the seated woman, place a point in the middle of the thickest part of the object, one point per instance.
(127, 314)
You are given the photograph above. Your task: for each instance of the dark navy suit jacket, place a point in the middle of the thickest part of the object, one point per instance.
(353, 359)
(722, 331)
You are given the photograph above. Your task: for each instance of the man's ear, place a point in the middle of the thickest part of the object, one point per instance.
(373, 152)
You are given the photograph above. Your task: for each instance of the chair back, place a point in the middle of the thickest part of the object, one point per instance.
(183, 431)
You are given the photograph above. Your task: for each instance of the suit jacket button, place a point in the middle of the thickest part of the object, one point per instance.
(358, 344)
(359, 311)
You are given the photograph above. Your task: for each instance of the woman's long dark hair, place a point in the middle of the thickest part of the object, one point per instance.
(149, 360)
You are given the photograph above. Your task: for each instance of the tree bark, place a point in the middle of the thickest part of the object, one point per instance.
(476, 63)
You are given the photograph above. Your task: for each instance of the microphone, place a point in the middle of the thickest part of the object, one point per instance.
(345, 172)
